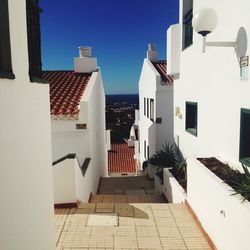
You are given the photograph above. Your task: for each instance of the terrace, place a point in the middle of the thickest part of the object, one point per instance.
(128, 221)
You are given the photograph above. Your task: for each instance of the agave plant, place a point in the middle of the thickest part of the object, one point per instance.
(165, 157)
(238, 181)
(242, 184)
(180, 170)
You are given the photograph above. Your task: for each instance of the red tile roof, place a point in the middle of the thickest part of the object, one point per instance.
(66, 91)
(121, 159)
(161, 67)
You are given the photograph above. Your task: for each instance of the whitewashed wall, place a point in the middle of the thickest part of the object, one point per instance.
(64, 180)
(164, 109)
(85, 185)
(90, 142)
(25, 158)
(173, 191)
(95, 97)
(69, 141)
(224, 216)
(213, 80)
(155, 135)
(147, 88)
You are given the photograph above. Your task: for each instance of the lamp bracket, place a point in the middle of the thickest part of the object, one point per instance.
(239, 45)
(217, 44)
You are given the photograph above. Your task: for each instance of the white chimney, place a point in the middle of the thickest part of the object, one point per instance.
(85, 63)
(152, 54)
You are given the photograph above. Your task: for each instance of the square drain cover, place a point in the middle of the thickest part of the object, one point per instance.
(102, 219)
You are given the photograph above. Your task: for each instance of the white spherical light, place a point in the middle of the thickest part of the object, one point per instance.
(205, 21)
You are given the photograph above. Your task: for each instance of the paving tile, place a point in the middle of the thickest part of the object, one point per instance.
(96, 198)
(173, 243)
(156, 206)
(138, 213)
(146, 231)
(101, 242)
(87, 205)
(185, 221)
(104, 231)
(144, 222)
(175, 207)
(104, 210)
(196, 243)
(102, 219)
(121, 199)
(181, 213)
(126, 221)
(124, 231)
(192, 232)
(163, 222)
(149, 243)
(125, 242)
(105, 205)
(169, 231)
(125, 248)
(108, 198)
(124, 210)
(162, 213)
(85, 210)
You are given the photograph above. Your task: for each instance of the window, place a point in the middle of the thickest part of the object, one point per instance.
(145, 106)
(147, 152)
(245, 137)
(34, 40)
(152, 109)
(5, 47)
(145, 148)
(187, 29)
(191, 118)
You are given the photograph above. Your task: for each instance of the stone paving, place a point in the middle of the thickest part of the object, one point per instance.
(139, 226)
(123, 185)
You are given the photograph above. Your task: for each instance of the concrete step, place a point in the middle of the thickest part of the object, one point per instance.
(127, 198)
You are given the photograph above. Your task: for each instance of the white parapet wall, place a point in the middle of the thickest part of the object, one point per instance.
(71, 184)
(172, 189)
(64, 181)
(224, 216)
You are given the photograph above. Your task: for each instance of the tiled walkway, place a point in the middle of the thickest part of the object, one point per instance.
(140, 226)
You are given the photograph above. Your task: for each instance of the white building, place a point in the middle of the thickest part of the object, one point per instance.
(155, 107)
(212, 112)
(26, 211)
(79, 152)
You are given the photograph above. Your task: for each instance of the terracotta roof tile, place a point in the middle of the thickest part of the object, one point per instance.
(121, 159)
(161, 67)
(66, 91)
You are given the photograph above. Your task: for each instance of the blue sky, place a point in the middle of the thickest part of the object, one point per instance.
(117, 30)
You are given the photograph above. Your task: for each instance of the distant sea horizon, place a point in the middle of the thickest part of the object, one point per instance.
(129, 98)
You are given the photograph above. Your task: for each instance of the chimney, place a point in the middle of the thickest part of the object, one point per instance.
(85, 63)
(152, 54)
